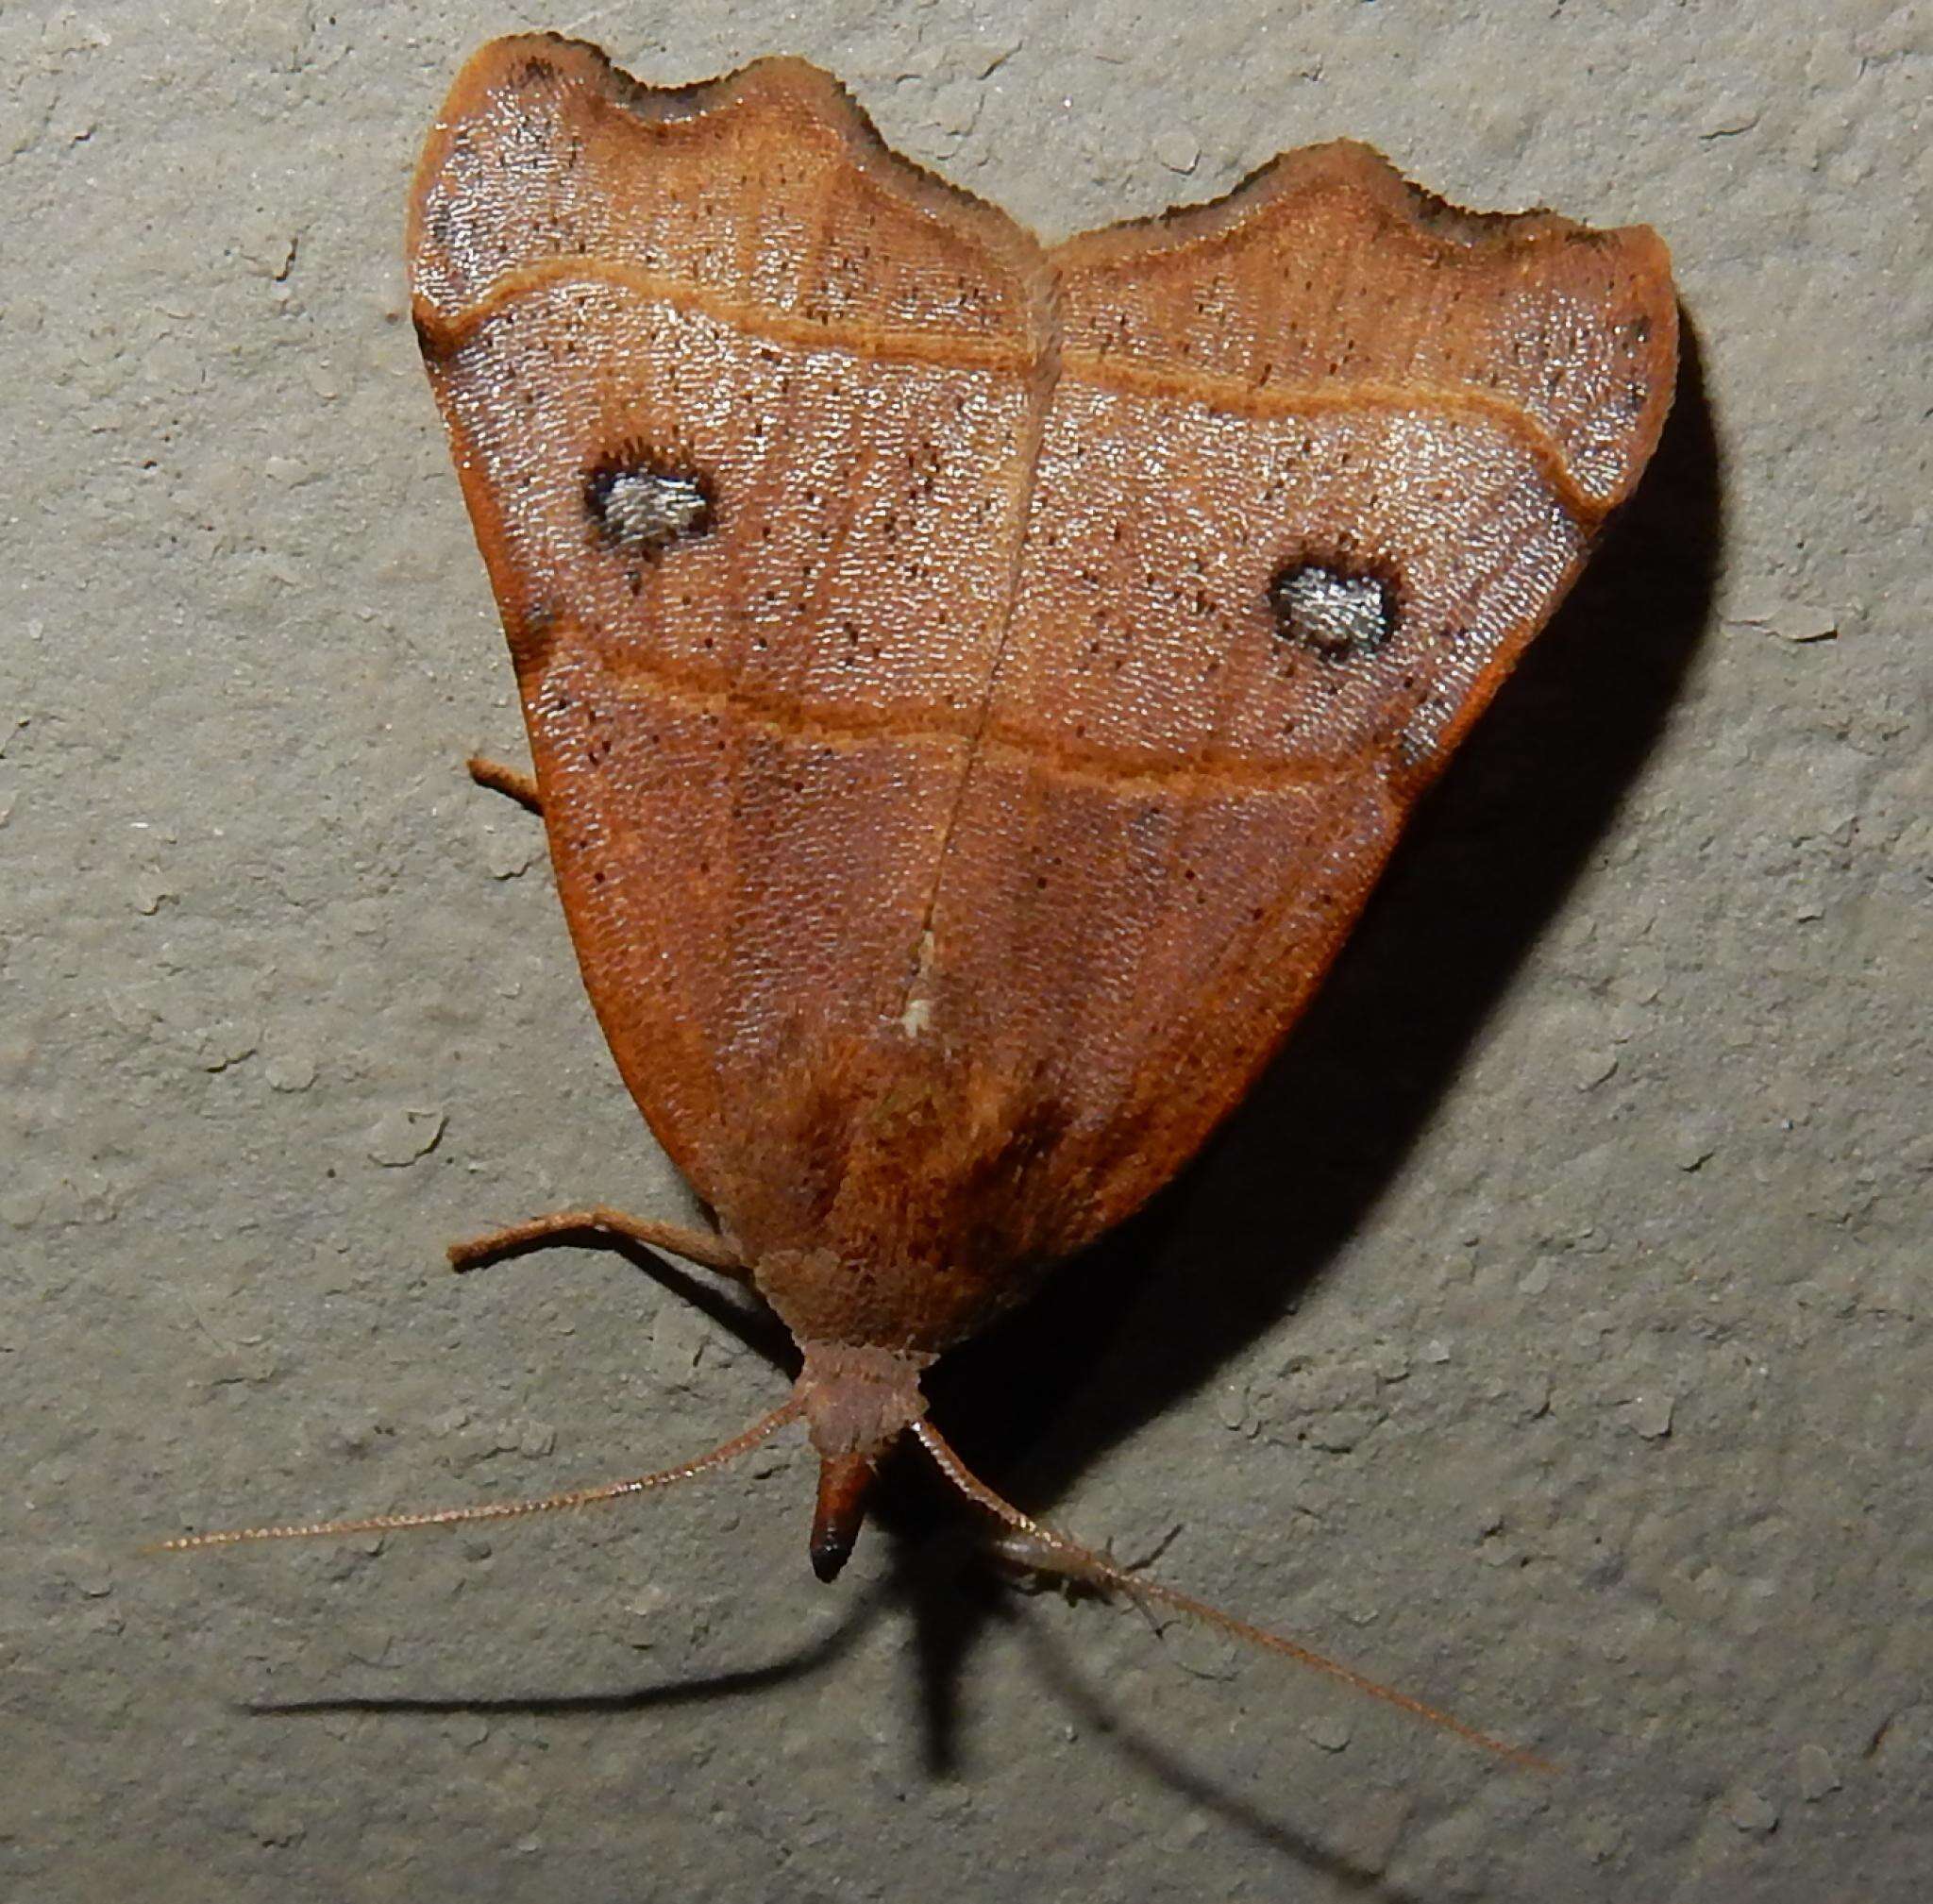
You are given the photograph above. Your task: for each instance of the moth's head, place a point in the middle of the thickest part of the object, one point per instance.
(858, 1400)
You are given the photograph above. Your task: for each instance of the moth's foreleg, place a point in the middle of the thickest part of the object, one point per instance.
(705, 1247)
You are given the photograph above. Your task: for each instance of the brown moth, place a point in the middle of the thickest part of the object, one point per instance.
(974, 684)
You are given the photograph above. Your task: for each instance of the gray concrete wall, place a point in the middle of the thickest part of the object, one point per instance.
(1547, 1338)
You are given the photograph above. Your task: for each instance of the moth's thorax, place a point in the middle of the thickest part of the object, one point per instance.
(884, 1299)
(899, 1195)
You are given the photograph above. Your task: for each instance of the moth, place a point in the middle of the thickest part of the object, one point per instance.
(973, 684)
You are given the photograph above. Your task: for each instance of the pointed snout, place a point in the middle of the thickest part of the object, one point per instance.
(845, 1481)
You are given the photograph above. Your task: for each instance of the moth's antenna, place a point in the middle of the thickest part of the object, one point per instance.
(503, 1510)
(1053, 1553)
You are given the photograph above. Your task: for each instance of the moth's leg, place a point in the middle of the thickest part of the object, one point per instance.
(1032, 1566)
(680, 1240)
(521, 788)
(1024, 1542)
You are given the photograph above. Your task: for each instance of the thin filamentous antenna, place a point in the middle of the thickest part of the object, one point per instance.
(1053, 1553)
(502, 1510)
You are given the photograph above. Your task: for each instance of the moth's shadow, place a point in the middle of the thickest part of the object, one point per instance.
(1147, 1317)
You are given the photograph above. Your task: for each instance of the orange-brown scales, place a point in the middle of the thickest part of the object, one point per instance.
(974, 684)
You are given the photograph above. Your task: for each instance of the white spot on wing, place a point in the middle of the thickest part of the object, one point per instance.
(1334, 614)
(643, 509)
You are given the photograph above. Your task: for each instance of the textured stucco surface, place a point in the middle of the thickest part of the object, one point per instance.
(1548, 1336)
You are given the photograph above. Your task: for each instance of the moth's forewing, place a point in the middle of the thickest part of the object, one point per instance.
(974, 688)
